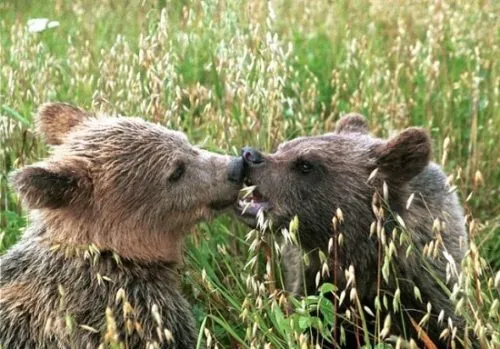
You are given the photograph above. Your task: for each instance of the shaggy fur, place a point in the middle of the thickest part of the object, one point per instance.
(109, 212)
(312, 177)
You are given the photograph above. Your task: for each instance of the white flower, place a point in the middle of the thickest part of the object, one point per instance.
(37, 25)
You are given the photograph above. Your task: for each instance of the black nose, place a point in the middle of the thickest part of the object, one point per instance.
(251, 156)
(236, 171)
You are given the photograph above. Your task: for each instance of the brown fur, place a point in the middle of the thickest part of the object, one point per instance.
(352, 123)
(55, 120)
(19, 293)
(313, 177)
(106, 183)
(114, 202)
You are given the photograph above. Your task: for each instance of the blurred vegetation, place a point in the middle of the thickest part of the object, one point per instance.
(230, 73)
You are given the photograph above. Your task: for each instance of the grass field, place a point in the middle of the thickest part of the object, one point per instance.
(231, 73)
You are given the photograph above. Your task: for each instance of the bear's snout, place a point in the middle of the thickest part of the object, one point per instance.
(236, 171)
(251, 156)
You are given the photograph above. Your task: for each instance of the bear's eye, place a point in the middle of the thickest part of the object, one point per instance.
(304, 166)
(178, 172)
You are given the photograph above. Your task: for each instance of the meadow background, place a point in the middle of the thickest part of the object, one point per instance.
(231, 73)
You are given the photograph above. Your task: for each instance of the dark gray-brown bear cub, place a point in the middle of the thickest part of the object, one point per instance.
(374, 184)
(109, 210)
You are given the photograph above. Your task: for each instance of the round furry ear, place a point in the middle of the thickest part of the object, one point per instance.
(405, 155)
(53, 185)
(55, 120)
(352, 123)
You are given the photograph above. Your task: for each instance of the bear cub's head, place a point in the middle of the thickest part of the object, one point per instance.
(310, 177)
(123, 184)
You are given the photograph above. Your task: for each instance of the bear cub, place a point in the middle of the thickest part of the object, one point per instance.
(109, 211)
(358, 198)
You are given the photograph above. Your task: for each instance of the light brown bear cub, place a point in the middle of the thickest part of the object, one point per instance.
(375, 184)
(109, 212)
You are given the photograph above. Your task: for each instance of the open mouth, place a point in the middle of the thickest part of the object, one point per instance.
(252, 202)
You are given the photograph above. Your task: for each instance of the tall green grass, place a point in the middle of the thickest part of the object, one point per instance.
(230, 73)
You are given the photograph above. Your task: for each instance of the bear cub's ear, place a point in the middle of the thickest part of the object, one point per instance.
(352, 123)
(55, 120)
(405, 155)
(52, 185)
